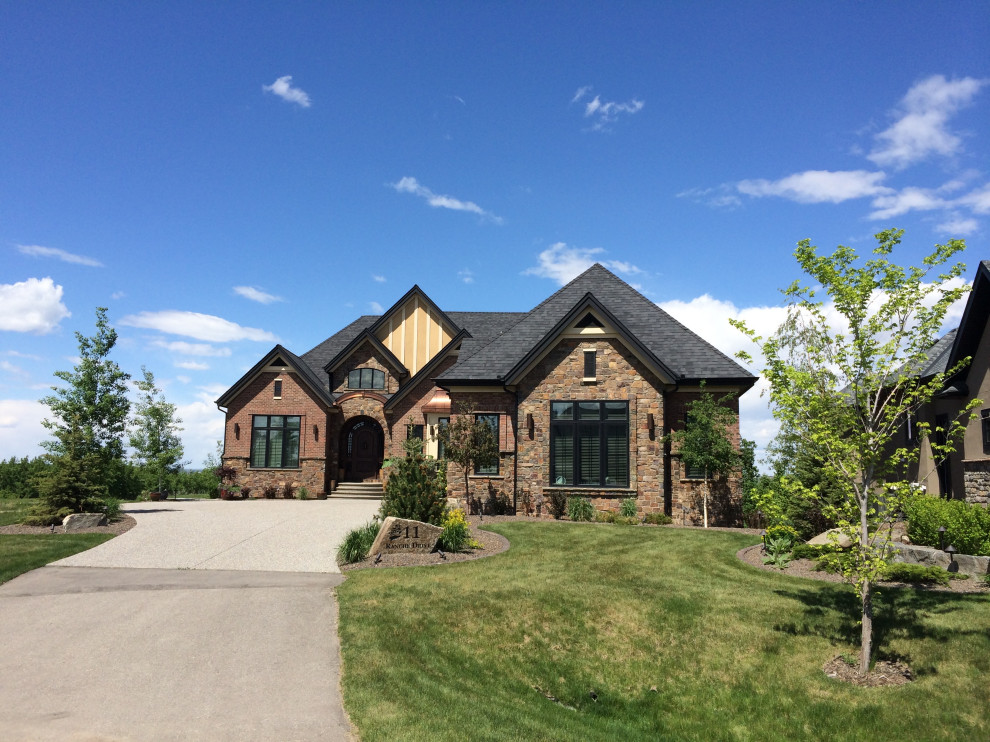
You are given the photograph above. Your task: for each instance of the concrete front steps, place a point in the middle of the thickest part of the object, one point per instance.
(358, 491)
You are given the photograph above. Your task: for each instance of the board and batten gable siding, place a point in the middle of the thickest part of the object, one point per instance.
(414, 333)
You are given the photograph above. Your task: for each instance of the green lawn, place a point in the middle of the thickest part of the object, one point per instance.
(20, 554)
(678, 639)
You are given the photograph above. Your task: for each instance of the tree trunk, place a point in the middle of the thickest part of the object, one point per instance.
(866, 646)
(705, 502)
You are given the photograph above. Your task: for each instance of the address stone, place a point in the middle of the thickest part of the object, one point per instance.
(79, 521)
(403, 536)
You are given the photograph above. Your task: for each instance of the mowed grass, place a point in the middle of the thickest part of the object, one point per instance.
(20, 553)
(677, 638)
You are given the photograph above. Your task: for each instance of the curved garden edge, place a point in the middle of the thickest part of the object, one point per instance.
(123, 524)
(806, 568)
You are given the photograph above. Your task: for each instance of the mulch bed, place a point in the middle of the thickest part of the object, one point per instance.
(806, 568)
(884, 673)
(117, 527)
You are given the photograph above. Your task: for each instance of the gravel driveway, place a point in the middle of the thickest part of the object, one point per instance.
(255, 535)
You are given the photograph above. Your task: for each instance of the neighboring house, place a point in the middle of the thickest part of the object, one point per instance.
(580, 391)
(964, 474)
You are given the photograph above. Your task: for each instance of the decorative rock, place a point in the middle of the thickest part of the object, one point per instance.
(79, 521)
(402, 536)
(928, 556)
(825, 539)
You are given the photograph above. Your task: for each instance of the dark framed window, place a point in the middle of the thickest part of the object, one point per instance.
(414, 431)
(278, 389)
(366, 378)
(492, 419)
(589, 444)
(275, 442)
(590, 364)
(985, 422)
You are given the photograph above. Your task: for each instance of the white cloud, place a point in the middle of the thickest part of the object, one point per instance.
(117, 295)
(192, 349)
(34, 305)
(53, 252)
(255, 294)
(195, 325)
(192, 365)
(282, 87)
(376, 307)
(183, 378)
(10, 368)
(921, 126)
(905, 200)
(721, 197)
(818, 186)
(378, 279)
(18, 354)
(605, 112)
(562, 263)
(202, 426)
(466, 275)
(978, 200)
(411, 185)
(20, 427)
(957, 226)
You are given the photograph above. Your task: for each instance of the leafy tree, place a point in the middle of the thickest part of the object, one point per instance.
(847, 393)
(412, 490)
(17, 476)
(155, 431)
(470, 443)
(95, 400)
(704, 443)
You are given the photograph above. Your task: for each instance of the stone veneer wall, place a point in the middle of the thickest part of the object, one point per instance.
(257, 398)
(976, 475)
(620, 377)
(480, 486)
(364, 357)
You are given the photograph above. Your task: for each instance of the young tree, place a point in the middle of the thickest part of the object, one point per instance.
(704, 443)
(73, 482)
(155, 431)
(847, 393)
(95, 399)
(470, 443)
(412, 490)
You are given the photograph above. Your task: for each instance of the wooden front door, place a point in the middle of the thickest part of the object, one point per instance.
(365, 453)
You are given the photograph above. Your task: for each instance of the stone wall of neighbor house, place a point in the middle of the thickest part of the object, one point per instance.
(620, 377)
(976, 475)
(364, 357)
(687, 495)
(481, 487)
(258, 398)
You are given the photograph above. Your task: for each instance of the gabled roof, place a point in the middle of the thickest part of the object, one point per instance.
(974, 319)
(304, 371)
(427, 371)
(367, 336)
(418, 292)
(673, 350)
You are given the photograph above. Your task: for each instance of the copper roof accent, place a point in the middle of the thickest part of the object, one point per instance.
(439, 403)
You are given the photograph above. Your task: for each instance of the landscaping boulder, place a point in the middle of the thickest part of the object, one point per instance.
(402, 536)
(841, 539)
(79, 521)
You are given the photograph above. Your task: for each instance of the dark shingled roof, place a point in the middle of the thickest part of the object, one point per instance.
(938, 355)
(673, 346)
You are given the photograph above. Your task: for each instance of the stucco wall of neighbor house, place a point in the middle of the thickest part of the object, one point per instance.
(482, 485)
(257, 398)
(619, 377)
(978, 381)
(687, 495)
(364, 357)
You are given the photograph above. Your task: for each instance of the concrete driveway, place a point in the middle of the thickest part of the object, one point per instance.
(257, 535)
(170, 632)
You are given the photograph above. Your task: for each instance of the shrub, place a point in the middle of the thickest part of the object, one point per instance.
(807, 551)
(270, 492)
(967, 527)
(358, 543)
(111, 507)
(413, 490)
(580, 508)
(778, 551)
(558, 504)
(288, 491)
(456, 532)
(628, 508)
(303, 493)
(246, 493)
(658, 519)
(605, 516)
(900, 572)
(785, 533)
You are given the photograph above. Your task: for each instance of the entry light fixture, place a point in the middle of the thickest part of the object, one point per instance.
(941, 538)
(651, 424)
(316, 432)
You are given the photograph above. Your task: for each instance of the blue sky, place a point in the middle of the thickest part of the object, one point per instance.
(225, 176)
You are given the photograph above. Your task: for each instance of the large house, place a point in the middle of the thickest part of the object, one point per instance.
(580, 390)
(964, 474)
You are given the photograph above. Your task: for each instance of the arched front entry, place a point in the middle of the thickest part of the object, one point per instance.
(362, 449)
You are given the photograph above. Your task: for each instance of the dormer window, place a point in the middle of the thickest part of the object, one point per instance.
(278, 389)
(366, 378)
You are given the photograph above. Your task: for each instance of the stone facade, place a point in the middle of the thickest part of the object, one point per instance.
(976, 475)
